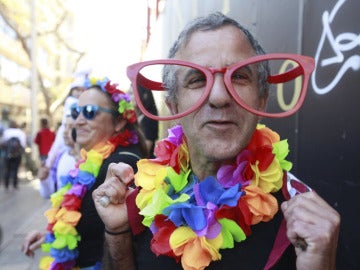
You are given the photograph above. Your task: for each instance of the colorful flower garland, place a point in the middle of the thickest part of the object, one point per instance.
(62, 237)
(192, 220)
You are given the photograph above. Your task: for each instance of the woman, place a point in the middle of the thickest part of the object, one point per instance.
(65, 160)
(106, 130)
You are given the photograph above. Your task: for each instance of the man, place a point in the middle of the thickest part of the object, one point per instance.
(14, 143)
(197, 198)
(44, 139)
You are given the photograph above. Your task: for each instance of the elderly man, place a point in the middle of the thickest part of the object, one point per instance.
(212, 197)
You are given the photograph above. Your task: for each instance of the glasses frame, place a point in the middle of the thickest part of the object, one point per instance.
(95, 108)
(305, 67)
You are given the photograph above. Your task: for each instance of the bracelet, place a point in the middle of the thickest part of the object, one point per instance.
(117, 233)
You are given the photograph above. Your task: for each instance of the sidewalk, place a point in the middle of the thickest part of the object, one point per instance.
(21, 211)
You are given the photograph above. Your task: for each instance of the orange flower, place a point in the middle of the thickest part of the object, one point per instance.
(262, 205)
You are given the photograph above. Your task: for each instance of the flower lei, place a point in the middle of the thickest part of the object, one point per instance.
(62, 238)
(192, 220)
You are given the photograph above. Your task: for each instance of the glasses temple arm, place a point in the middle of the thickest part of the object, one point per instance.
(148, 84)
(286, 76)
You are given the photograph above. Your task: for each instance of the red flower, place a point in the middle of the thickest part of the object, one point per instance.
(160, 244)
(240, 214)
(167, 154)
(112, 88)
(261, 147)
(130, 115)
(71, 202)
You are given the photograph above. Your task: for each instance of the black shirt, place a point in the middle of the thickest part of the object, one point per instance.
(90, 226)
(251, 254)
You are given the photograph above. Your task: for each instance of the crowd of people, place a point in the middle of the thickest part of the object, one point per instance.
(217, 193)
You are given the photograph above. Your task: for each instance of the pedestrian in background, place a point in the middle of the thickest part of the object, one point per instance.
(14, 143)
(44, 139)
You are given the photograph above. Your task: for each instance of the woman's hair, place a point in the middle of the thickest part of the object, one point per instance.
(211, 22)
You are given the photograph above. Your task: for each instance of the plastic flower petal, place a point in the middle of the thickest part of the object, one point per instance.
(149, 175)
(85, 178)
(159, 202)
(68, 216)
(45, 262)
(63, 255)
(92, 163)
(281, 150)
(160, 242)
(77, 190)
(231, 232)
(262, 205)
(186, 213)
(271, 179)
(71, 202)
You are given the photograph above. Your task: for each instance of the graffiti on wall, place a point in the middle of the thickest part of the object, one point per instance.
(342, 43)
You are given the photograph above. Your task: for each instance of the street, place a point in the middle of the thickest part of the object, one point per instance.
(21, 211)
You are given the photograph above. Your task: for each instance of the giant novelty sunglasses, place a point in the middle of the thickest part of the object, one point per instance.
(287, 81)
(89, 111)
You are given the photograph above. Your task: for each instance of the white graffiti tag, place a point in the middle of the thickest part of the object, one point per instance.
(344, 42)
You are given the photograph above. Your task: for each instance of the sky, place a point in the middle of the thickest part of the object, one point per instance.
(111, 32)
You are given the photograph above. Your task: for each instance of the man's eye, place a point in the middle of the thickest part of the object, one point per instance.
(195, 81)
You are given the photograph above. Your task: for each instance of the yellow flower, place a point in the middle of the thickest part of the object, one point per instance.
(270, 180)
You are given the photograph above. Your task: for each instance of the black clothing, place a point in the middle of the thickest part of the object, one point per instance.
(251, 254)
(12, 165)
(90, 226)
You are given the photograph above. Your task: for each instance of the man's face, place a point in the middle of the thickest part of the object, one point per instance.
(220, 128)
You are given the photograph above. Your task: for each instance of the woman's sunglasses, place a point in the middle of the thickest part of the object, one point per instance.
(89, 111)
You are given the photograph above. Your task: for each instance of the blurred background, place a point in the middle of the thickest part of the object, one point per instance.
(44, 44)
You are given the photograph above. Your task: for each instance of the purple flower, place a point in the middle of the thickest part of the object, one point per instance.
(230, 175)
(175, 135)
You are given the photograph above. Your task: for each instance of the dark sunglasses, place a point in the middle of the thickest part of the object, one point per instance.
(89, 111)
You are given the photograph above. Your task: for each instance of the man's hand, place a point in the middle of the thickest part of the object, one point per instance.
(310, 219)
(115, 190)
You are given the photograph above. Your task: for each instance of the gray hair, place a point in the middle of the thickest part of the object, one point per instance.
(212, 21)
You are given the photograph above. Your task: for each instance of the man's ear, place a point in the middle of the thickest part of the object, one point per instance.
(172, 106)
(262, 102)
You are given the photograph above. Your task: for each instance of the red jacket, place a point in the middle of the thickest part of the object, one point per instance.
(44, 139)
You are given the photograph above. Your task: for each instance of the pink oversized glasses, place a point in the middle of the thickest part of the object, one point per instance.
(285, 85)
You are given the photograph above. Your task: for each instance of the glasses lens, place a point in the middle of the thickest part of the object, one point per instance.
(89, 112)
(283, 84)
(74, 112)
(186, 82)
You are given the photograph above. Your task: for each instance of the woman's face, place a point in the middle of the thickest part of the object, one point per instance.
(69, 124)
(102, 126)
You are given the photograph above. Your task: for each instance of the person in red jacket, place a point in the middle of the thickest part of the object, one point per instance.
(44, 139)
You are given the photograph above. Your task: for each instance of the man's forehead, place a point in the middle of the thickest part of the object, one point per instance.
(228, 43)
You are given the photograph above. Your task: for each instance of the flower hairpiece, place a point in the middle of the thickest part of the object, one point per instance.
(125, 107)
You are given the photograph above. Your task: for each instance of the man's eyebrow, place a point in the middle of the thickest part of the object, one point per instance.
(190, 71)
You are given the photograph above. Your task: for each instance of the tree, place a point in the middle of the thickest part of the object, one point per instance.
(52, 31)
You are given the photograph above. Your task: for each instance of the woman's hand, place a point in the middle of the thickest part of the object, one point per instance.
(33, 241)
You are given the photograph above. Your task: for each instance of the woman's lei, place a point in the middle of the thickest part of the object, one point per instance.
(192, 220)
(62, 238)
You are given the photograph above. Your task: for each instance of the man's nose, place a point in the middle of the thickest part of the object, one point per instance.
(219, 95)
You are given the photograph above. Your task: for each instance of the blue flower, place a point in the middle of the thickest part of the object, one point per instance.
(209, 190)
(64, 254)
(86, 179)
